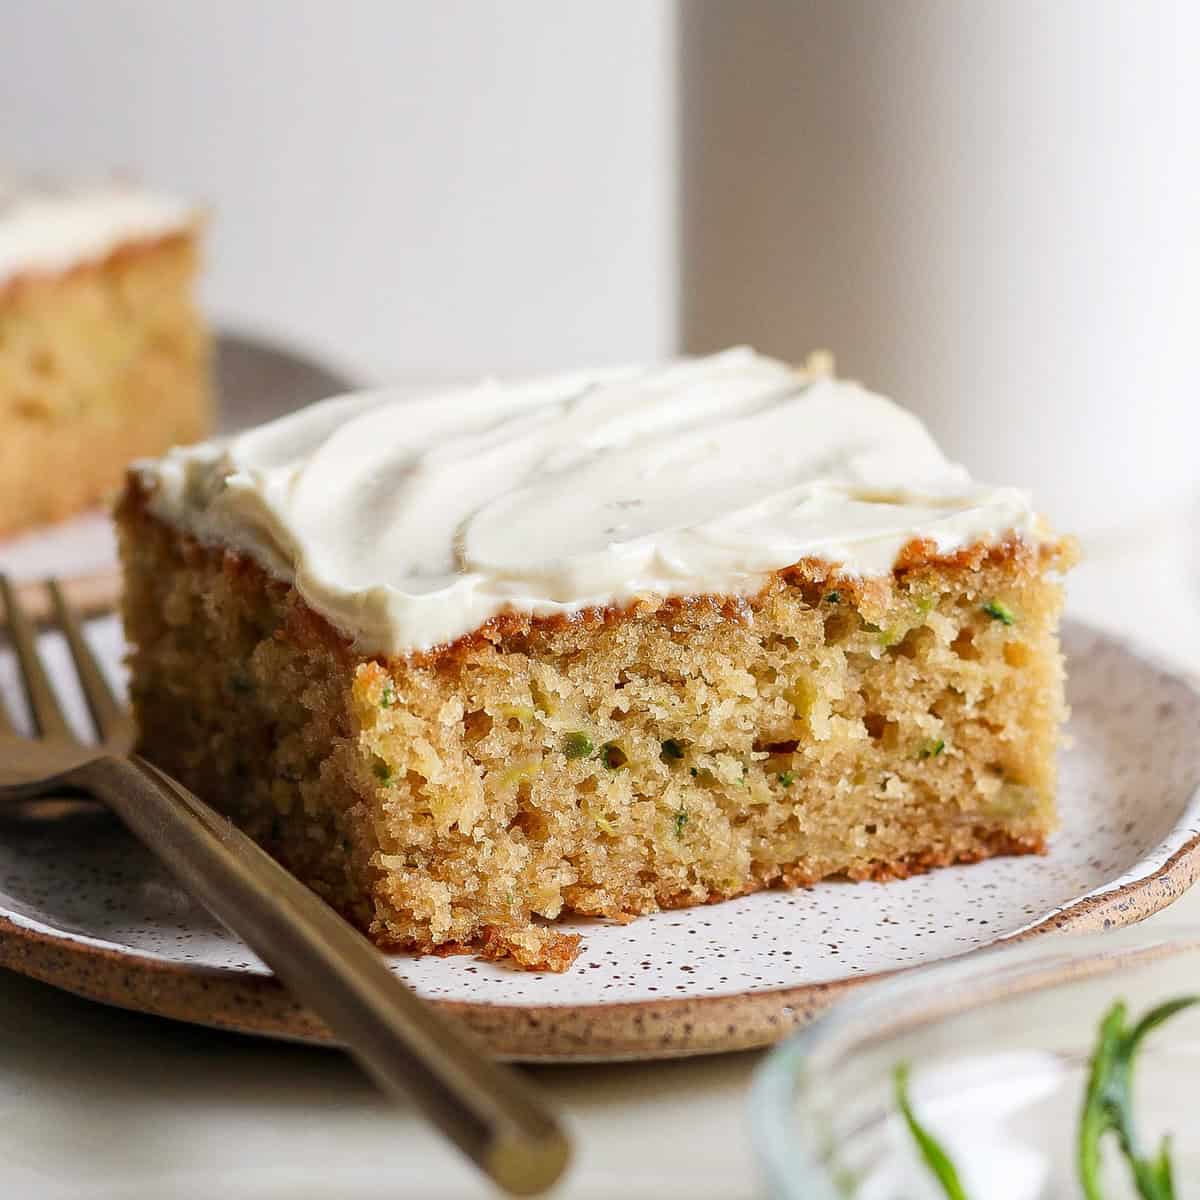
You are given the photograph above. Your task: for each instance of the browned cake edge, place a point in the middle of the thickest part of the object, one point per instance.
(305, 622)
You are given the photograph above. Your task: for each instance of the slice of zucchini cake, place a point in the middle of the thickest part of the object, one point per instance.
(103, 354)
(599, 643)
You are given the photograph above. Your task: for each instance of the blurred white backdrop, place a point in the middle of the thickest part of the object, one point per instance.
(987, 211)
(396, 184)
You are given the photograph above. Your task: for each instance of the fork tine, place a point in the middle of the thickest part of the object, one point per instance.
(48, 716)
(6, 725)
(107, 714)
(6, 721)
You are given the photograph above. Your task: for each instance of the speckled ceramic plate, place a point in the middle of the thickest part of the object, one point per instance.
(255, 382)
(82, 906)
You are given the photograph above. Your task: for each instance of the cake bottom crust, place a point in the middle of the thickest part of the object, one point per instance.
(554, 950)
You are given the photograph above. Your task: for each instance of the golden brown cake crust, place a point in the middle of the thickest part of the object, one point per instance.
(99, 364)
(881, 728)
(919, 554)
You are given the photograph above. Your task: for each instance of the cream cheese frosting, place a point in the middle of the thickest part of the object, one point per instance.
(410, 521)
(47, 228)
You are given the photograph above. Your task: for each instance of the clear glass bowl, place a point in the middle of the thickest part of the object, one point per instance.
(999, 1044)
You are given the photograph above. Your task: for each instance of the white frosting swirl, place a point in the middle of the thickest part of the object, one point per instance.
(46, 229)
(410, 522)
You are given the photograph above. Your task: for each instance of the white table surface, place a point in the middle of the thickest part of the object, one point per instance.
(95, 1102)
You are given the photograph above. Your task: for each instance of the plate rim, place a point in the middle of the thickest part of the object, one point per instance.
(628, 1030)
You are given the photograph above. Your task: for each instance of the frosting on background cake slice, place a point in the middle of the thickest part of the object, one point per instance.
(49, 228)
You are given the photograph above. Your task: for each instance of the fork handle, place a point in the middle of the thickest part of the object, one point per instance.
(397, 1038)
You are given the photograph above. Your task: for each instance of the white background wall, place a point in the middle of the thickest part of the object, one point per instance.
(988, 211)
(397, 183)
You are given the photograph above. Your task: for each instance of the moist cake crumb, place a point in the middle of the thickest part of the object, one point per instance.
(669, 753)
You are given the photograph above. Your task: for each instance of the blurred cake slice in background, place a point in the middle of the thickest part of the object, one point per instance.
(103, 353)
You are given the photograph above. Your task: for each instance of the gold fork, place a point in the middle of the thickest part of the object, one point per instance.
(487, 1110)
